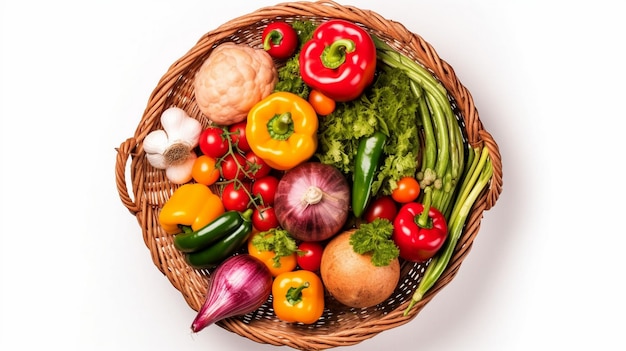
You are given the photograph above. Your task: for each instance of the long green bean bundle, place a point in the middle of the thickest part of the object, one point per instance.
(456, 173)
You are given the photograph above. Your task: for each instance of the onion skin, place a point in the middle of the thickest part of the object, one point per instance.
(295, 201)
(239, 285)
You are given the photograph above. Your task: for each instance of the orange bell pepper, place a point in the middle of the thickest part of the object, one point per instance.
(298, 296)
(191, 205)
(276, 249)
(282, 130)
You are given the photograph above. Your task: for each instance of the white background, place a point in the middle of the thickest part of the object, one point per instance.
(546, 270)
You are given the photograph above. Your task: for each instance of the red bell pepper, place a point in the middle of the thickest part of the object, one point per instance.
(420, 230)
(339, 60)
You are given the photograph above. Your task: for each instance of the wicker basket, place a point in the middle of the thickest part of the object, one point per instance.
(340, 326)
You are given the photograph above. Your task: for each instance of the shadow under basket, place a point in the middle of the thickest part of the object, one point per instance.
(149, 188)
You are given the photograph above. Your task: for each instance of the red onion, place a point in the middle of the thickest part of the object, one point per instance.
(312, 201)
(239, 285)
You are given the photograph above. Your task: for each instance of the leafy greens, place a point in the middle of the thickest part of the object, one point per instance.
(389, 106)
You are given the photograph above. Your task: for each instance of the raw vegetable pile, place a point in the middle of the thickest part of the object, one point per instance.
(329, 155)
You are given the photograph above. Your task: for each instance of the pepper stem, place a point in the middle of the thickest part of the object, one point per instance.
(280, 126)
(247, 215)
(273, 37)
(423, 218)
(334, 55)
(313, 195)
(294, 294)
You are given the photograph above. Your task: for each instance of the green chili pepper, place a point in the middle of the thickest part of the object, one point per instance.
(366, 164)
(220, 250)
(223, 225)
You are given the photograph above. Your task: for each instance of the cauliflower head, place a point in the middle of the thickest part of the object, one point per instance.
(232, 80)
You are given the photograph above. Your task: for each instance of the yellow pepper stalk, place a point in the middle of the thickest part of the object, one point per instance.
(191, 205)
(282, 130)
(298, 296)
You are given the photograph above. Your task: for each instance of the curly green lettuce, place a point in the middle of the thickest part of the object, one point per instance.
(389, 106)
(375, 238)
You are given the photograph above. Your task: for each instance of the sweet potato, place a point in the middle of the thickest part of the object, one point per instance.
(352, 279)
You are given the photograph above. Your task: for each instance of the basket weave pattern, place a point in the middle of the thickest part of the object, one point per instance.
(150, 189)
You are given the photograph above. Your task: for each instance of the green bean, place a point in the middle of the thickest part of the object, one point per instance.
(413, 69)
(462, 178)
(441, 133)
(430, 145)
(456, 148)
(481, 175)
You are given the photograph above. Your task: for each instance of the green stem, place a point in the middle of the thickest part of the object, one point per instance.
(241, 168)
(423, 218)
(281, 124)
(294, 294)
(334, 55)
(273, 37)
(280, 127)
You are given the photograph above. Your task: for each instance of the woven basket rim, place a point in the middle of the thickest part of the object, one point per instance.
(150, 189)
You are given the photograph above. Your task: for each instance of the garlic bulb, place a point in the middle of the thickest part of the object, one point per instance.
(172, 148)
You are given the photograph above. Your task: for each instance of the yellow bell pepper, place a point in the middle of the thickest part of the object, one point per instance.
(298, 296)
(191, 205)
(282, 130)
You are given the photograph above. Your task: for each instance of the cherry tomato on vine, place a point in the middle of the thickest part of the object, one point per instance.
(265, 188)
(382, 207)
(212, 142)
(235, 196)
(321, 103)
(280, 40)
(204, 170)
(264, 218)
(238, 136)
(408, 190)
(310, 255)
(233, 166)
(256, 166)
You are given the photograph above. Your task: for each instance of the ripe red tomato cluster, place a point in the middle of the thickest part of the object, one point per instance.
(248, 181)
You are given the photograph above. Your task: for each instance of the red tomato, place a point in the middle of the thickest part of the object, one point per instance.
(204, 170)
(382, 207)
(256, 167)
(321, 103)
(264, 218)
(238, 136)
(265, 188)
(310, 256)
(408, 190)
(233, 166)
(280, 39)
(235, 196)
(212, 142)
